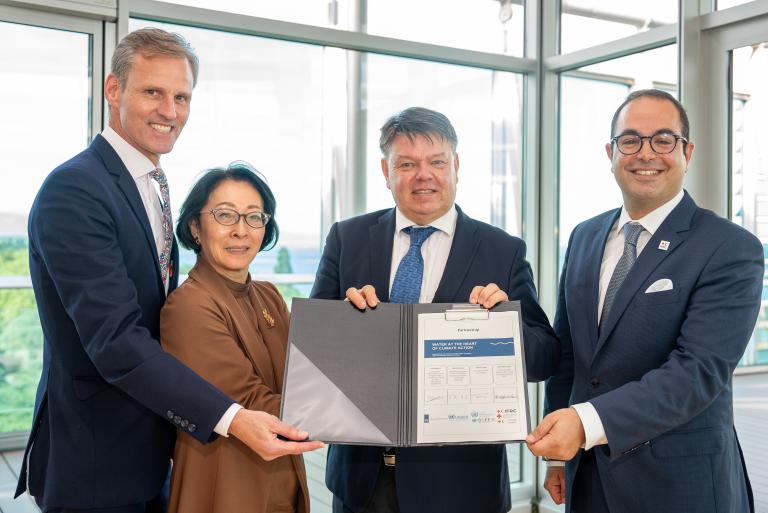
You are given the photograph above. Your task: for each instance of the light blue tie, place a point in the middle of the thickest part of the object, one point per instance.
(407, 284)
(631, 234)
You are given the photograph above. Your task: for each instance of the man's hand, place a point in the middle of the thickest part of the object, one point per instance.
(554, 483)
(258, 430)
(488, 296)
(559, 436)
(362, 297)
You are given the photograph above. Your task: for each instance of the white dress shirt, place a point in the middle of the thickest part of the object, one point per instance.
(139, 166)
(614, 247)
(434, 250)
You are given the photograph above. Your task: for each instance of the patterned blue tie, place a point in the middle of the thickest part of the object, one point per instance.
(406, 287)
(631, 234)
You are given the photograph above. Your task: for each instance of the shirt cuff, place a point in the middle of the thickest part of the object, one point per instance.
(222, 426)
(594, 432)
(555, 463)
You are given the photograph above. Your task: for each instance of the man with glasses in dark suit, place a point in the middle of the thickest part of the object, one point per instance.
(657, 303)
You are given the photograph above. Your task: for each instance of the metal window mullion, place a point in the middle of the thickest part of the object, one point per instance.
(734, 15)
(613, 49)
(296, 32)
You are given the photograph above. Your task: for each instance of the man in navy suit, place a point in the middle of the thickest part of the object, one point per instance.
(102, 259)
(657, 302)
(361, 261)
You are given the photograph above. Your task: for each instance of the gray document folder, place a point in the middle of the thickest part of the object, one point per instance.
(350, 374)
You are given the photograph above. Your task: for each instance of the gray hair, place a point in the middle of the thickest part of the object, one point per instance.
(417, 121)
(151, 42)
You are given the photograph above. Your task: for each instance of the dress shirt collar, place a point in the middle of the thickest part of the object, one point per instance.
(652, 220)
(445, 223)
(136, 162)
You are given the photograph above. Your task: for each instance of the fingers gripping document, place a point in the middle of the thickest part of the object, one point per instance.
(471, 380)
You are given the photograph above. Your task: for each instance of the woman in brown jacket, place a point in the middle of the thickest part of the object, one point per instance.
(233, 332)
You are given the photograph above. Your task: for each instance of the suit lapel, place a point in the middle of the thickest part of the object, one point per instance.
(127, 186)
(380, 239)
(463, 249)
(671, 230)
(595, 248)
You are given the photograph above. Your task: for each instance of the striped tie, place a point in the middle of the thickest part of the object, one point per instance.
(165, 255)
(627, 260)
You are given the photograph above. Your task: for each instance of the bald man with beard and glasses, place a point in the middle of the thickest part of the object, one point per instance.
(657, 303)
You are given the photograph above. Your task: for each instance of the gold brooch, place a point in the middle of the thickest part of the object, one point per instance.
(267, 317)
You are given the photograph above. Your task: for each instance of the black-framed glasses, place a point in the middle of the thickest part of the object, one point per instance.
(661, 143)
(229, 217)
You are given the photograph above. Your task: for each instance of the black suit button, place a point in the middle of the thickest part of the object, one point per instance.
(184, 423)
(192, 428)
(594, 382)
(177, 420)
(170, 414)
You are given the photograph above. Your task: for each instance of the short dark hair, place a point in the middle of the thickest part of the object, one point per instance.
(238, 171)
(151, 42)
(658, 94)
(417, 121)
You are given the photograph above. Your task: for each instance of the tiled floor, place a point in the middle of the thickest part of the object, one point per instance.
(750, 409)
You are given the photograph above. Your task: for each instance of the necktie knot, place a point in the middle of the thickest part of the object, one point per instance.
(632, 233)
(419, 234)
(158, 175)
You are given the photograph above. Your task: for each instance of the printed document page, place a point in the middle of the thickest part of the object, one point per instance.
(471, 385)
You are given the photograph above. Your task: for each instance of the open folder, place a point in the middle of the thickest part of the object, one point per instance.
(406, 375)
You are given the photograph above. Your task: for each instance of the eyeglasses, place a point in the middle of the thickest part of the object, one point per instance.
(661, 143)
(229, 217)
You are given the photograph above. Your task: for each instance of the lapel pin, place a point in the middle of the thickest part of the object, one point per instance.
(267, 317)
(664, 245)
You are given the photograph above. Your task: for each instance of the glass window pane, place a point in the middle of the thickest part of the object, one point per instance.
(589, 97)
(469, 24)
(261, 100)
(484, 107)
(331, 13)
(45, 90)
(585, 23)
(749, 168)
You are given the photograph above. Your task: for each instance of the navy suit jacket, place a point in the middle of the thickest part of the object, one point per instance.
(457, 479)
(659, 372)
(101, 434)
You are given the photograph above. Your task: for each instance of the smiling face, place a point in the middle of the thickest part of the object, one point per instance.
(152, 108)
(422, 176)
(648, 180)
(230, 249)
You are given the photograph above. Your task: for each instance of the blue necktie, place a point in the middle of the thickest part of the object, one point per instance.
(407, 284)
(625, 263)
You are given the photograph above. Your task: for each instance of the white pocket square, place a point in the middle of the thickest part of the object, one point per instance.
(659, 286)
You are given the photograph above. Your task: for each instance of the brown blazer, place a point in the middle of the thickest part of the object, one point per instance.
(208, 323)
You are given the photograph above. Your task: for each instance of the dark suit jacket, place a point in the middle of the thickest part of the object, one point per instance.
(659, 373)
(101, 434)
(457, 479)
